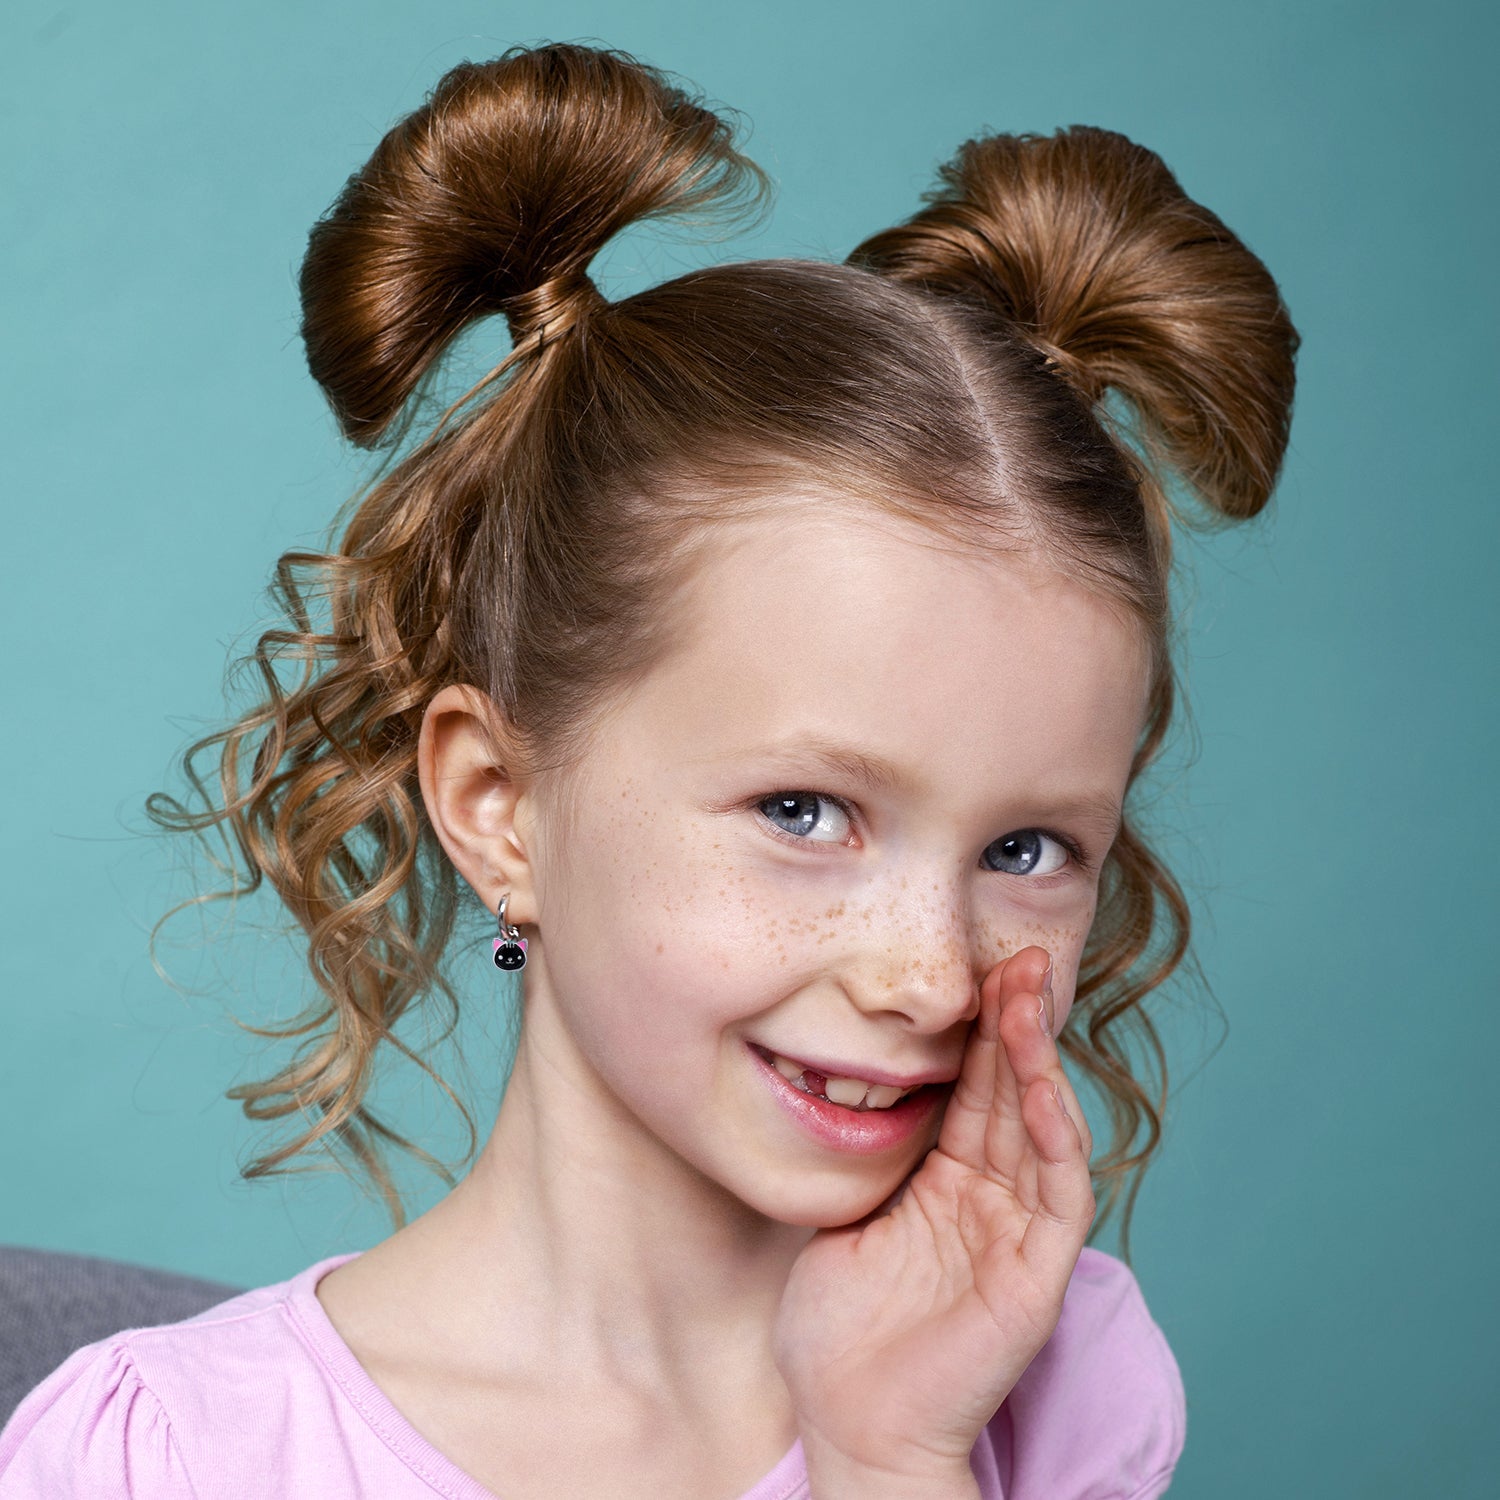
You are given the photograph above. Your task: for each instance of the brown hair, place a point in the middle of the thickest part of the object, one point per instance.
(958, 370)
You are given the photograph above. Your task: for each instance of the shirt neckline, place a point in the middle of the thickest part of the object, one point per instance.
(785, 1481)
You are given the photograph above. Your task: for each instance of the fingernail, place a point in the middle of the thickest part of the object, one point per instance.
(1042, 1021)
(1048, 1009)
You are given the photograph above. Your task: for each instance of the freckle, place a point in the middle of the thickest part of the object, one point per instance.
(661, 947)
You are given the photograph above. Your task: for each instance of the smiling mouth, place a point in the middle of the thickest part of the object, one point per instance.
(853, 1094)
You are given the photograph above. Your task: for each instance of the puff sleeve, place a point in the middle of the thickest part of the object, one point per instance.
(92, 1428)
(1101, 1413)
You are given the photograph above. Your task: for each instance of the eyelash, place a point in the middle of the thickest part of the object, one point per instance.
(1075, 850)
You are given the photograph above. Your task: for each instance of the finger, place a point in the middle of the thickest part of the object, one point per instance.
(1033, 1056)
(1058, 1075)
(985, 1083)
(1065, 1084)
(968, 1112)
(1065, 1204)
(1027, 1190)
(1026, 1054)
(1075, 1111)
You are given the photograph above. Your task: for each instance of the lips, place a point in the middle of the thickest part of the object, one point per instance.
(847, 1130)
(855, 1087)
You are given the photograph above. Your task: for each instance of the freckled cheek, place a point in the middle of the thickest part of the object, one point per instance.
(744, 935)
(1069, 957)
(665, 911)
(1063, 938)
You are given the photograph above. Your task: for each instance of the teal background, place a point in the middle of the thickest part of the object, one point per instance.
(1318, 1236)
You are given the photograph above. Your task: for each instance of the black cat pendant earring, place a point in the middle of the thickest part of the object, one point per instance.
(510, 946)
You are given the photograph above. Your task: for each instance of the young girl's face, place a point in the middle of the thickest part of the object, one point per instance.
(869, 770)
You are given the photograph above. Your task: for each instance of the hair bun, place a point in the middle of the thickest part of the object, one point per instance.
(1085, 240)
(494, 197)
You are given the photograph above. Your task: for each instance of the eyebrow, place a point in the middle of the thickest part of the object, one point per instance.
(1098, 808)
(876, 774)
(858, 767)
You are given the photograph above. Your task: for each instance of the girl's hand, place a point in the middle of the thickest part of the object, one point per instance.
(899, 1336)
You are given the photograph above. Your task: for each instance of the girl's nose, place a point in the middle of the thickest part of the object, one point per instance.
(922, 970)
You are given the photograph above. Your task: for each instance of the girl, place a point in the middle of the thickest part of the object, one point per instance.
(771, 654)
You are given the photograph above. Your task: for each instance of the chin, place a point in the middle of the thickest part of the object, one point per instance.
(814, 1204)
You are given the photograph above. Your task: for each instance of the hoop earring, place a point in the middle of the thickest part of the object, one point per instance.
(510, 946)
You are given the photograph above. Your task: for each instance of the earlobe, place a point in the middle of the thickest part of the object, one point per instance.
(476, 803)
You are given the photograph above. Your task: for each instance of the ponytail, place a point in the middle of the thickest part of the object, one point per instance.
(1087, 244)
(494, 197)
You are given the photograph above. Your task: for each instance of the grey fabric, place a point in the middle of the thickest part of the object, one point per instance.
(52, 1303)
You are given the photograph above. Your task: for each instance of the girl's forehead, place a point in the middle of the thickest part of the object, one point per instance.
(811, 622)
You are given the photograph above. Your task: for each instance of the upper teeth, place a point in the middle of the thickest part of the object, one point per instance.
(854, 1093)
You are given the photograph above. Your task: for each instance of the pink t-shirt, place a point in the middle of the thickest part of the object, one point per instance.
(260, 1397)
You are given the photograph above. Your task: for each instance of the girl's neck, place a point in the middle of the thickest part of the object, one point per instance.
(579, 1235)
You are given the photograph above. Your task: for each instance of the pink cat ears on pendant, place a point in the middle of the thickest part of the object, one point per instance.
(510, 946)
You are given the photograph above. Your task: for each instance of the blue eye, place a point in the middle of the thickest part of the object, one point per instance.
(806, 815)
(1023, 853)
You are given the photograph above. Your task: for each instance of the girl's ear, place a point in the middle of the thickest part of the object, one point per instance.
(479, 809)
